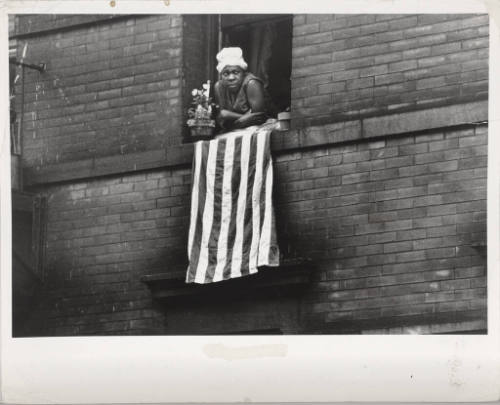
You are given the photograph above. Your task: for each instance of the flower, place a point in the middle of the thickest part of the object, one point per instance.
(202, 103)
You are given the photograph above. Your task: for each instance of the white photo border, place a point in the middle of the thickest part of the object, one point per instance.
(251, 368)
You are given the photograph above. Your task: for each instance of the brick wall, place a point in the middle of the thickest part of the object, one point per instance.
(396, 225)
(393, 220)
(102, 235)
(109, 89)
(395, 228)
(134, 67)
(346, 66)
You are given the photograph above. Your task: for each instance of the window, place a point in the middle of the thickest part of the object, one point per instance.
(28, 241)
(266, 42)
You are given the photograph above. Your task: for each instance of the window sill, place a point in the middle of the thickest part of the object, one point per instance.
(288, 278)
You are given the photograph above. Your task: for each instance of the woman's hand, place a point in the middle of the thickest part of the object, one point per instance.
(248, 120)
(226, 118)
(228, 115)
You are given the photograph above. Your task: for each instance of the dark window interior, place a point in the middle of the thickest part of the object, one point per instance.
(22, 239)
(28, 230)
(28, 233)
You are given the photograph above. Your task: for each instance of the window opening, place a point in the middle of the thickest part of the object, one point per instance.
(266, 42)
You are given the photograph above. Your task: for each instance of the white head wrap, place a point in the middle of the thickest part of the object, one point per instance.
(230, 57)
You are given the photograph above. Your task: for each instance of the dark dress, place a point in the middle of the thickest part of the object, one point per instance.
(238, 102)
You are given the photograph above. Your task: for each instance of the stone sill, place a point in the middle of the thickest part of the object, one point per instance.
(457, 115)
(289, 277)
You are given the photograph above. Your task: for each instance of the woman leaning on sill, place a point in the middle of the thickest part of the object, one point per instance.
(240, 95)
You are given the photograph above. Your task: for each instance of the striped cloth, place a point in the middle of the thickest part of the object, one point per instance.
(232, 230)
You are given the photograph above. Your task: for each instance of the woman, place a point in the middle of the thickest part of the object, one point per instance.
(240, 95)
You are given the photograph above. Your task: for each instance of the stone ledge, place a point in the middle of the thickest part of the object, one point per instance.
(290, 275)
(414, 121)
(282, 141)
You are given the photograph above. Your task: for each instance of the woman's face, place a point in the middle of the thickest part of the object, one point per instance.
(232, 77)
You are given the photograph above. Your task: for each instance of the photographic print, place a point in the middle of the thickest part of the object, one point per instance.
(249, 202)
(234, 174)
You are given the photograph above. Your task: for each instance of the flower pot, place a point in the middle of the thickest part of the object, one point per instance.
(201, 128)
(284, 121)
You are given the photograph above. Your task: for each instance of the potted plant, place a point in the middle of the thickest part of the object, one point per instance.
(200, 120)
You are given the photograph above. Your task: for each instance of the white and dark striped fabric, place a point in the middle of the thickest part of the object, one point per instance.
(232, 227)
